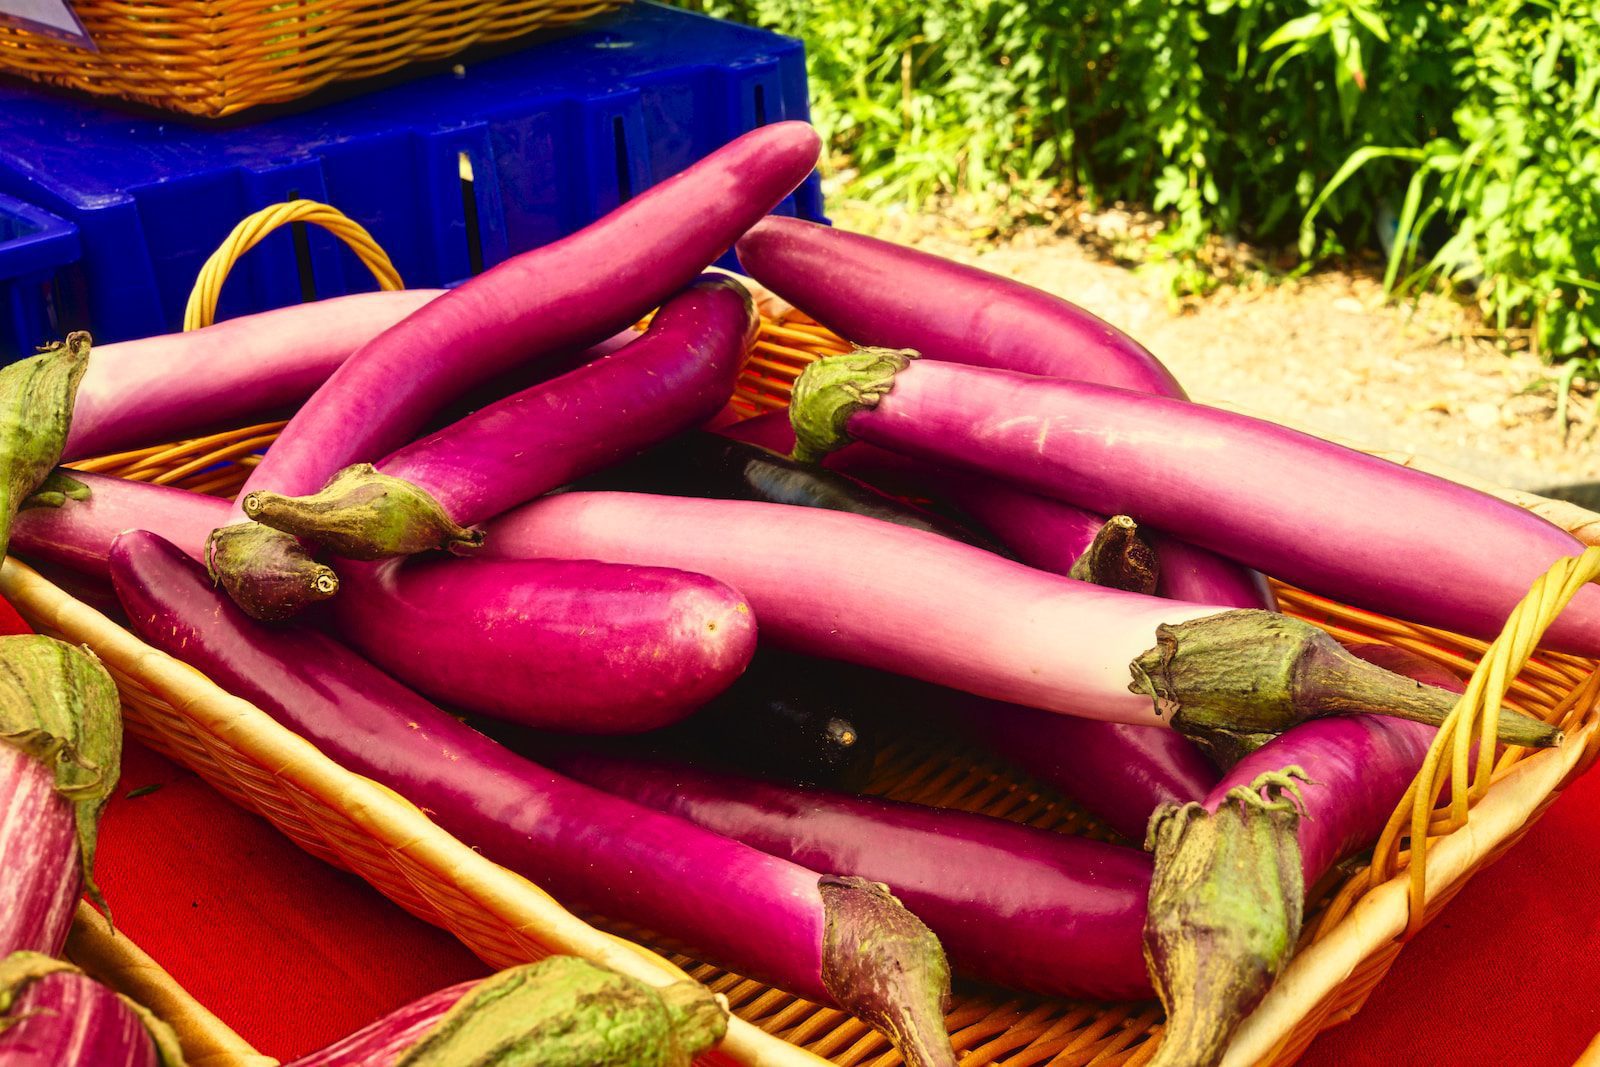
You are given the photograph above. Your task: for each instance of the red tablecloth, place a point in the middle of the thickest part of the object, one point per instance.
(293, 954)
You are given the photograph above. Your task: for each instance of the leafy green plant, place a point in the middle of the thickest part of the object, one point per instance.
(1518, 183)
(1473, 124)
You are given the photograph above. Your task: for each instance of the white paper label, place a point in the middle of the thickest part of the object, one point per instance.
(53, 18)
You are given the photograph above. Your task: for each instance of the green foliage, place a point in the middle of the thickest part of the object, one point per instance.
(1474, 123)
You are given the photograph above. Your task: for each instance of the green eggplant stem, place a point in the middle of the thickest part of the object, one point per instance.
(1118, 558)
(1225, 910)
(366, 515)
(268, 573)
(1229, 678)
(568, 1012)
(36, 400)
(882, 965)
(832, 389)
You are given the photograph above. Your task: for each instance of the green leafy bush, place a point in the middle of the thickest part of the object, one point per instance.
(1468, 130)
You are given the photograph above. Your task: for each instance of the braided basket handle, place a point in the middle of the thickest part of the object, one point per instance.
(1475, 718)
(202, 308)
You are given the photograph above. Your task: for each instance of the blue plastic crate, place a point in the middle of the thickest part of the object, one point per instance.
(451, 172)
(35, 247)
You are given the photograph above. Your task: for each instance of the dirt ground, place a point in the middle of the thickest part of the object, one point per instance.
(1324, 354)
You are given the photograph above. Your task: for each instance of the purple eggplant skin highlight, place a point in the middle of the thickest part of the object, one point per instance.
(874, 292)
(1041, 531)
(554, 644)
(563, 296)
(77, 533)
(52, 1015)
(678, 374)
(764, 917)
(158, 389)
(1324, 517)
(1233, 872)
(1014, 905)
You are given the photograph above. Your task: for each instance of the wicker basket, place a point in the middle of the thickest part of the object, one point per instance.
(1354, 930)
(216, 57)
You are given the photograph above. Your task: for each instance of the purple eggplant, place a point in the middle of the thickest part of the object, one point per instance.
(877, 293)
(914, 603)
(553, 644)
(1232, 872)
(158, 389)
(562, 296)
(1300, 508)
(817, 936)
(429, 493)
(1015, 905)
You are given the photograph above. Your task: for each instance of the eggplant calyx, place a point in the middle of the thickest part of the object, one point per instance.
(884, 966)
(366, 515)
(58, 705)
(1225, 910)
(833, 389)
(37, 395)
(268, 573)
(1118, 558)
(57, 488)
(1257, 672)
(568, 1010)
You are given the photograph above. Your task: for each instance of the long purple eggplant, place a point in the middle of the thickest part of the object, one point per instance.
(818, 936)
(426, 495)
(561, 1010)
(915, 603)
(1015, 905)
(52, 1015)
(60, 749)
(157, 389)
(1327, 518)
(1232, 872)
(874, 292)
(877, 293)
(76, 528)
(1041, 531)
(562, 296)
(554, 644)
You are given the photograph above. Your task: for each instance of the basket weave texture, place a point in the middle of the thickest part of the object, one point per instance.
(1354, 927)
(215, 57)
